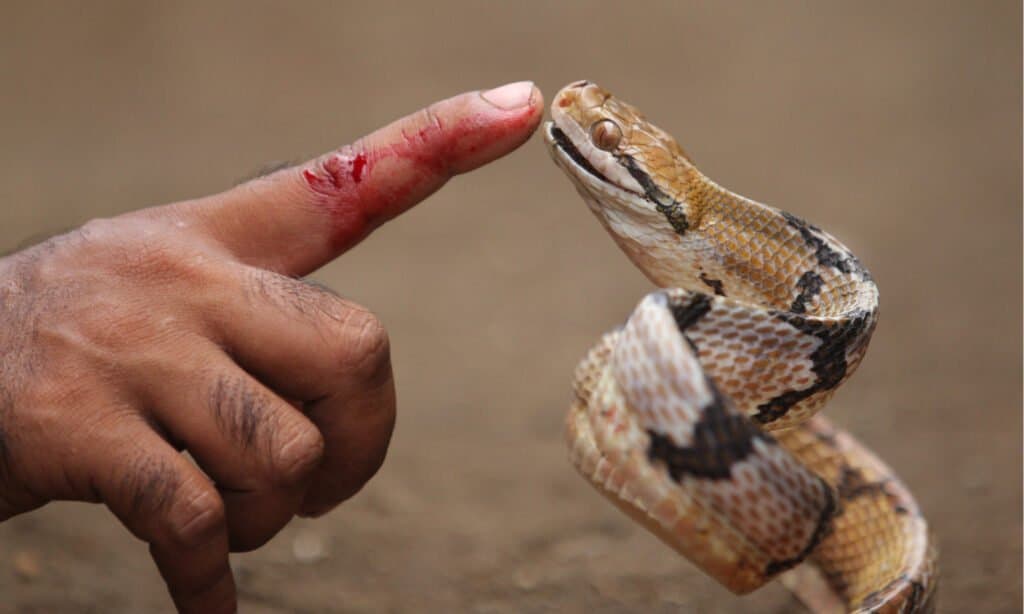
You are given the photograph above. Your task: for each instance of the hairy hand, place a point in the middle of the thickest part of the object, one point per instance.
(187, 326)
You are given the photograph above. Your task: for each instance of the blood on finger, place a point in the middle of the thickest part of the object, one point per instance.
(354, 211)
(358, 199)
(358, 164)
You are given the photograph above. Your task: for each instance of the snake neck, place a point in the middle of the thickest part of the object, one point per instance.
(714, 241)
(685, 231)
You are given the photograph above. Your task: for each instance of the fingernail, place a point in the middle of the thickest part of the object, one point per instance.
(511, 96)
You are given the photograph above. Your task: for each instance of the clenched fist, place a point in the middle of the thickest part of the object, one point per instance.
(189, 327)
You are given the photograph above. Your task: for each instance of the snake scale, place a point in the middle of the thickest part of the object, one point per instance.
(697, 417)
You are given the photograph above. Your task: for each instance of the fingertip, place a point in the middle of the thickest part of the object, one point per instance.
(455, 135)
(511, 96)
(516, 107)
(497, 122)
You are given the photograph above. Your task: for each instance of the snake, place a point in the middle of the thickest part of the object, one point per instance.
(698, 417)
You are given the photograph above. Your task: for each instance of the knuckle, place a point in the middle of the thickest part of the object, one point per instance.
(110, 241)
(95, 283)
(97, 230)
(300, 453)
(161, 499)
(240, 410)
(197, 516)
(427, 129)
(145, 249)
(312, 302)
(430, 119)
(161, 261)
(367, 348)
(263, 286)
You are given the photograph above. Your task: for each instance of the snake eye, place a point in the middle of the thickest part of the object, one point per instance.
(605, 134)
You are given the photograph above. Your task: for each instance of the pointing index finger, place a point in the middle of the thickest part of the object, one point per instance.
(299, 218)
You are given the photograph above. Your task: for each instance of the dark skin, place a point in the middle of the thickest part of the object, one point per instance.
(188, 327)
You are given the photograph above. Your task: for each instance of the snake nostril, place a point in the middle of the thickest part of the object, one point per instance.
(583, 83)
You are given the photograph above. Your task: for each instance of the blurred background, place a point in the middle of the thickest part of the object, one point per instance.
(897, 126)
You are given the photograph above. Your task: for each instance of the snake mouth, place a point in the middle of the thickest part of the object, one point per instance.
(560, 140)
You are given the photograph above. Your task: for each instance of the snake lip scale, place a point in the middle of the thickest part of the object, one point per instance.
(699, 416)
(561, 141)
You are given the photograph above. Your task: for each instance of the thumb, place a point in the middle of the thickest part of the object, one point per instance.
(299, 218)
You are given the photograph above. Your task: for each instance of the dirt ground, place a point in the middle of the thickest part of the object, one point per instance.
(896, 126)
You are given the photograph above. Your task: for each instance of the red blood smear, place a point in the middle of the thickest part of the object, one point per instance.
(357, 207)
(311, 178)
(357, 167)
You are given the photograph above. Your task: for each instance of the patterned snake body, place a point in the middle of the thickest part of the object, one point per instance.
(697, 417)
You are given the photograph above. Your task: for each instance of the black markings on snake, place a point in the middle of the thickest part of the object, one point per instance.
(852, 484)
(687, 314)
(721, 438)
(821, 530)
(714, 284)
(566, 145)
(665, 204)
(828, 361)
(914, 599)
(675, 216)
(810, 284)
(826, 256)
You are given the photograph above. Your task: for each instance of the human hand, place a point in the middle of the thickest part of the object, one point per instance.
(185, 327)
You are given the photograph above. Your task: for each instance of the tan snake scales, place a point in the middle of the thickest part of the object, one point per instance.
(697, 416)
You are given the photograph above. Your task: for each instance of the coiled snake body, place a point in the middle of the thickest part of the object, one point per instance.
(697, 417)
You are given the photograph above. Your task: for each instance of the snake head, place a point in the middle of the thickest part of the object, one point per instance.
(632, 174)
(598, 138)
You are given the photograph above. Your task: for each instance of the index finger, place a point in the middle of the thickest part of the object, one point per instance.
(299, 218)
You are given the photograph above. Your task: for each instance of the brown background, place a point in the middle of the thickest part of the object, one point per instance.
(896, 126)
